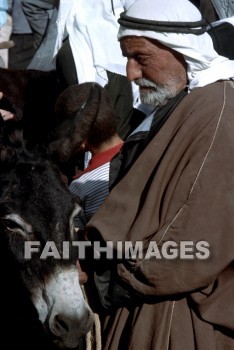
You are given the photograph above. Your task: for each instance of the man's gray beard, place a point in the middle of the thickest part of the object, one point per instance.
(159, 96)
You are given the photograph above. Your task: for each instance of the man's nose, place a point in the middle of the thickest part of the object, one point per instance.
(133, 70)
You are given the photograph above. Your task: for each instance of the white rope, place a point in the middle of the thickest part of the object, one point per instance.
(93, 337)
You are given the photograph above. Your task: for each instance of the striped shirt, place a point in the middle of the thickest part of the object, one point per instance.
(92, 185)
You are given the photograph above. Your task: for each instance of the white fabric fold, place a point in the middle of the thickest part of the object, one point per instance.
(92, 28)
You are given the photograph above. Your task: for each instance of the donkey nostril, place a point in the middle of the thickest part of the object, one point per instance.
(62, 324)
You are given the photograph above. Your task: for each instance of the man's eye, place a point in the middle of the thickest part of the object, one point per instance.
(141, 59)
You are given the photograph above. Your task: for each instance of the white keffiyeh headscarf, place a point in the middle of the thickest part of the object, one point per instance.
(204, 64)
(92, 28)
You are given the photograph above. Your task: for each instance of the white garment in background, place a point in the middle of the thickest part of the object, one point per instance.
(5, 32)
(92, 28)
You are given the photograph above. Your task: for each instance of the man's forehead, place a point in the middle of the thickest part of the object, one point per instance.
(139, 43)
(129, 41)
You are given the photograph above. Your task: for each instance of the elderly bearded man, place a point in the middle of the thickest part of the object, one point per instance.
(177, 187)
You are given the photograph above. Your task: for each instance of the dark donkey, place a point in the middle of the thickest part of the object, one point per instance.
(35, 206)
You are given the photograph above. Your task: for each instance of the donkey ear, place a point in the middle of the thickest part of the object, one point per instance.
(68, 137)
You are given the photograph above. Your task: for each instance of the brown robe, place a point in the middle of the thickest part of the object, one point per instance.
(181, 188)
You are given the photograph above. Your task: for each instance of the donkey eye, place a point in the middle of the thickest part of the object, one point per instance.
(14, 223)
(12, 226)
(72, 217)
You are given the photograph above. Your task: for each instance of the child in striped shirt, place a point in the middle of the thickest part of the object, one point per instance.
(91, 126)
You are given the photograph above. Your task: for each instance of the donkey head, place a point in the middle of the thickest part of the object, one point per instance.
(36, 208)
